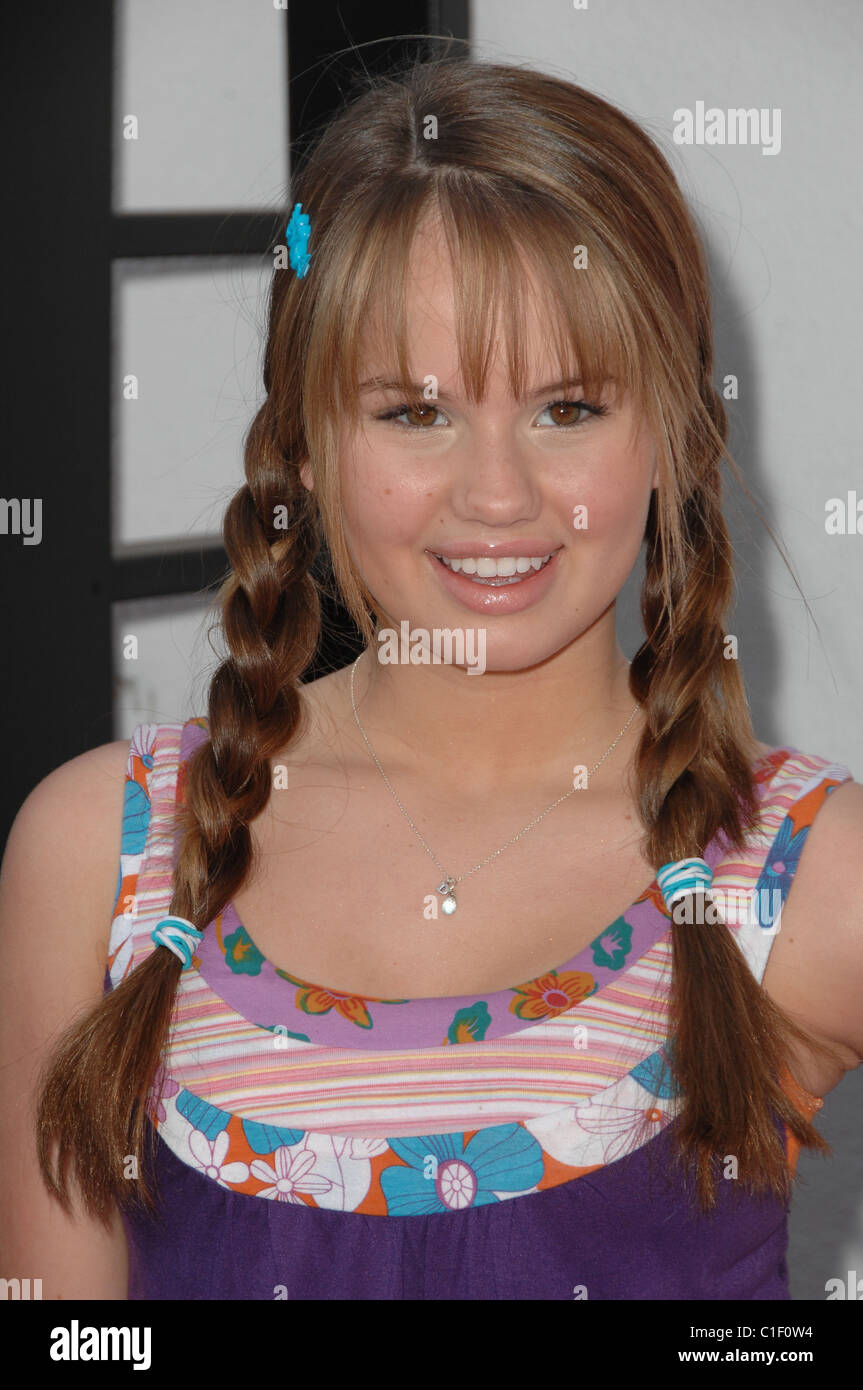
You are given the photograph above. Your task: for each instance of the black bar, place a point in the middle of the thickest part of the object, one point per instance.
(451, 17)
(195, 234)
(379, 37)
(168, 572)
(54, 628)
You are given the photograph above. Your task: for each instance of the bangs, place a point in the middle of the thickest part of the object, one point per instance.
(511, 250)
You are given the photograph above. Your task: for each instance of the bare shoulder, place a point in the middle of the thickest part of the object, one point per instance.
(93, 766)
(815, 967)
(66, 834)
(325, 701)
(326, 693)
(80, 791)
(57, 889)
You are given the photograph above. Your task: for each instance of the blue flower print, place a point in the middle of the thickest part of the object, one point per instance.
(209, 1119)
(655, 1076)
(613, 945)
(136, 817)
(445, 1174)
(782, 859)
(265, 1139)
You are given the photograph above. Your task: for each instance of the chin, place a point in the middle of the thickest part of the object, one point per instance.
(522, 656)
(527, 653)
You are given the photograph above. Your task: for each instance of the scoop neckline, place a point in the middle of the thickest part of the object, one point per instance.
(233, 966)
(235, 969)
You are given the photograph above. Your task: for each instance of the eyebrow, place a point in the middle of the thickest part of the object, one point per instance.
(383, 384)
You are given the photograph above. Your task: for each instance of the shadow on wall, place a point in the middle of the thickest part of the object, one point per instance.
(751, 621)
(826, 1223)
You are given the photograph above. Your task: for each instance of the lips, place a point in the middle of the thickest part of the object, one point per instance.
(497, 594)
(485, 569)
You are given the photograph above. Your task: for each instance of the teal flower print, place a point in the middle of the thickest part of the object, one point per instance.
(242, 954)
(136, 817)
(469, 1024)
(445, 1174)
(655, 1075)
(207, 1118)
(613, 945)
(266, 1139)
(282, 1031)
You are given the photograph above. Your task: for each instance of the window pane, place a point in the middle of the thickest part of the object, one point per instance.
(205, 81)
(188, 338)
(162, 660)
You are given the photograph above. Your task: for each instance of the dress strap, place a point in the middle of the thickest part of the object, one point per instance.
(793, 797)
(144, 880)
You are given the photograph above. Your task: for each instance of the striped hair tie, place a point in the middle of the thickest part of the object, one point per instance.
(678, 879)
(179, 935)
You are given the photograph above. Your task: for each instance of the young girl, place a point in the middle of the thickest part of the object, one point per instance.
(469, 971)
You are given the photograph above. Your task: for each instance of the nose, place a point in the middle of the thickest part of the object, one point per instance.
(494, 478)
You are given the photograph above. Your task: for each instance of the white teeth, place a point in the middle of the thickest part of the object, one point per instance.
(487, 568)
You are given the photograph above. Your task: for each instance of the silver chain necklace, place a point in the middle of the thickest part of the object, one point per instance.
(447, 887)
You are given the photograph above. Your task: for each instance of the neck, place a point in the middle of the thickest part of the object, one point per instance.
(486, 733)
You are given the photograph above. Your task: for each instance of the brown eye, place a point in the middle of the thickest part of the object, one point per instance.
(422, 412)
(565, 414)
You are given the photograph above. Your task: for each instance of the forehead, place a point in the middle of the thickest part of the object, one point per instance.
(434, 310)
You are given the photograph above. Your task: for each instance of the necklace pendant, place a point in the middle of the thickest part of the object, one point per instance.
(449, 903)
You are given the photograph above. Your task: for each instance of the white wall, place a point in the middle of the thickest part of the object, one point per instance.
(191, 333)
(784, 234)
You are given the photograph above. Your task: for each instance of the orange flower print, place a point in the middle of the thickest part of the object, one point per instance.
(653, 895)
(766, 768)
(551, 994)
(316, 999)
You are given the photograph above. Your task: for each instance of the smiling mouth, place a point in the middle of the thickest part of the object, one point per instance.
(498, 573)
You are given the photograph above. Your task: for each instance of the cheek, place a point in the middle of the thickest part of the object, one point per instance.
(610, 502)
(380, 506)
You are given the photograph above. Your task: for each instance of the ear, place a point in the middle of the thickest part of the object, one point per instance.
(306, 476)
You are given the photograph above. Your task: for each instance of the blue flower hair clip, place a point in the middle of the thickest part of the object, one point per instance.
(297, 235)
(180, 936)
(679, 878)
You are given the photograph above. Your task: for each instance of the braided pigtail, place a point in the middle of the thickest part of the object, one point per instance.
(727, 1039)
(93, 1103)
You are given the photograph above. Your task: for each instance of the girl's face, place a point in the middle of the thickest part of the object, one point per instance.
(548, 476)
